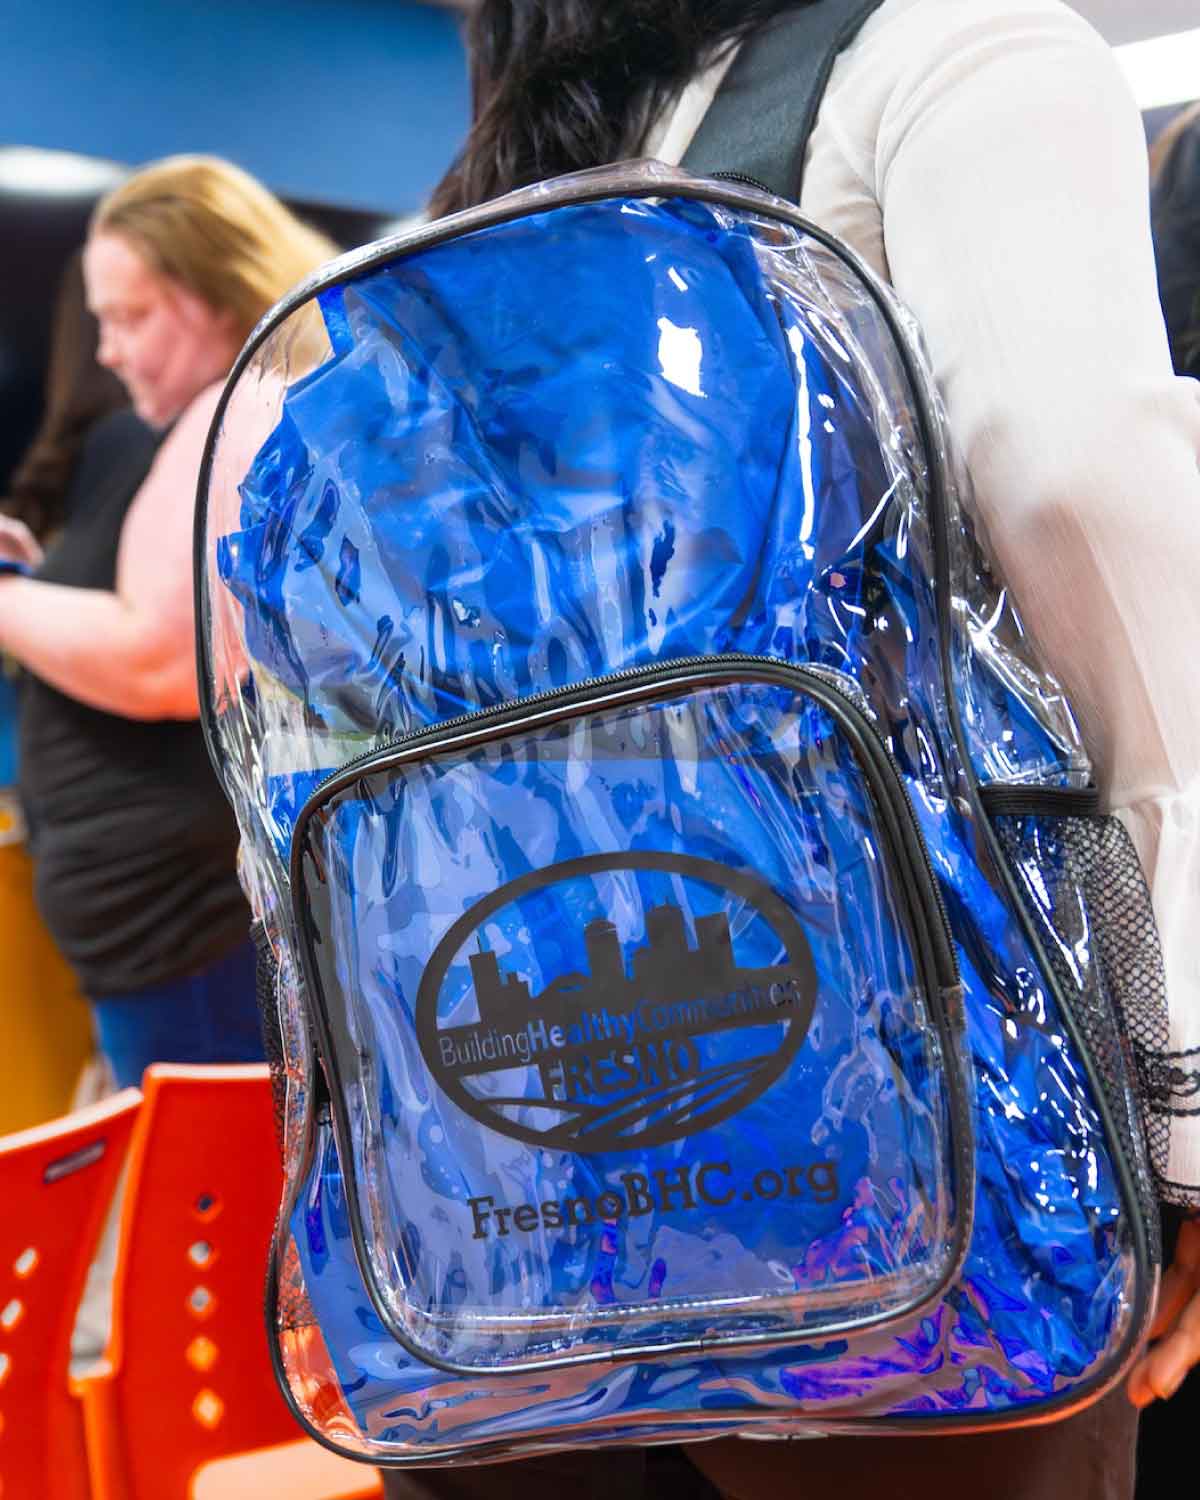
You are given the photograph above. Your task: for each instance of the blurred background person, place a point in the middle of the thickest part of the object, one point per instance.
(79, 392)
(1175, 215)
(47, 1031)
(134, 845)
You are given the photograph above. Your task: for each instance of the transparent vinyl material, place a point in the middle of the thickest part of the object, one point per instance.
(388, 584)
(477, 502)
(710, 1112)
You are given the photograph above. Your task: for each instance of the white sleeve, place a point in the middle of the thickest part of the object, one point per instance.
(1010, 168)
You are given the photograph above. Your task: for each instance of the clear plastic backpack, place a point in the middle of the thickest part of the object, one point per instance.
(707, 998)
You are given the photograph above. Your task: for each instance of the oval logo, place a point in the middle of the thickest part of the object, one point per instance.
(562, 1022)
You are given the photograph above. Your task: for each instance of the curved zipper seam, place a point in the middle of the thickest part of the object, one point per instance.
(492, 721)
(499, 721)
(489, 215)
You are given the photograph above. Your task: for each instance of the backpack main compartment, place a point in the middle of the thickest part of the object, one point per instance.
(703, 984)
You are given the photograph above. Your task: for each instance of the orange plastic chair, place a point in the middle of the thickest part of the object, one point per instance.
(185, 1403)
(56, 1185)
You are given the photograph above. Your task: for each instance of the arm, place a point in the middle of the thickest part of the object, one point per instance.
(1011, 169)
(130, 651)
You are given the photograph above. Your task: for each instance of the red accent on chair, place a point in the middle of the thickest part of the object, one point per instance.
(56, 1185)
(186, 1396)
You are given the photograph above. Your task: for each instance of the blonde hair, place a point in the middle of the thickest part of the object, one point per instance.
(212, 228)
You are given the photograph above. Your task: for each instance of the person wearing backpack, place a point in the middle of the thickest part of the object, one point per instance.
(984, 157)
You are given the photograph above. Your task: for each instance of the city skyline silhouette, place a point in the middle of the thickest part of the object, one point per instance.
(653, 1035)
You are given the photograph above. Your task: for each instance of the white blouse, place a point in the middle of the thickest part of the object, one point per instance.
(987, 158)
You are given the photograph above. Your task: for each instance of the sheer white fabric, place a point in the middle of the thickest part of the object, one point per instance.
(987, 158)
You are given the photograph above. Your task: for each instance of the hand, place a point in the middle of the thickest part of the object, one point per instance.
(18, 543)
(1175, 1334)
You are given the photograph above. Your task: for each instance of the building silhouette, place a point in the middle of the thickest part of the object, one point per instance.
(606, 958)
(499, 996)
(665, 968)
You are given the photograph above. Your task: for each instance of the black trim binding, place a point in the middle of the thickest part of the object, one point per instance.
(1146, 1278)
(914, 886)
(1001, 800)
(474, 1453)
(607, 184)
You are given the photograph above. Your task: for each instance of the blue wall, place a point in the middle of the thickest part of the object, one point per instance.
(358, 102)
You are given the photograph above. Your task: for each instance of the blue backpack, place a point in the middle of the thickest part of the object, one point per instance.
(706, 997)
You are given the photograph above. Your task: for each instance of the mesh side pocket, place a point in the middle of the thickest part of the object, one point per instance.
(1082, 881)
(266, 989)
(293, 1310)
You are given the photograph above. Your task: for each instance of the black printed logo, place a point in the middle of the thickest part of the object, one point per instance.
(658, 1037)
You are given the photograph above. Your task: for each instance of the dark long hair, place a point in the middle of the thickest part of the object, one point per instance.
(1175, 217)
(78, 393)
(558, 85)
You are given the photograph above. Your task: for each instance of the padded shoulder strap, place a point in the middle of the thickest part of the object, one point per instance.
(763, 114)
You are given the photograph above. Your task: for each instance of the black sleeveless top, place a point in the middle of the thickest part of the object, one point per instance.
(133, 841)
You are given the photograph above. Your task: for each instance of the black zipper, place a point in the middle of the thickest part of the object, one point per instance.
(742, 180)
(662, 679)
(734, 196)
(916, 891)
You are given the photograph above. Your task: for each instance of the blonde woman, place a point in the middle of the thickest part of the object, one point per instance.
(134, 846)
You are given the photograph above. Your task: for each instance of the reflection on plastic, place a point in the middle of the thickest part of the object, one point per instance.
(711, 1143)
(429, 522)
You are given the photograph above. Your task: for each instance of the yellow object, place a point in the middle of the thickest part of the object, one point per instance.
(45, 1025)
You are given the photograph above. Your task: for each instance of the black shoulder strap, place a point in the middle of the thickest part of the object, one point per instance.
(760, 121)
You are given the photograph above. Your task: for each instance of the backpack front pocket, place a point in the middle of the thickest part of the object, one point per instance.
(639, 1013)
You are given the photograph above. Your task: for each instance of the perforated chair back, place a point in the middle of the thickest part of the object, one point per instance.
(56, 1185)
(188, 1382)
(187, 1375)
